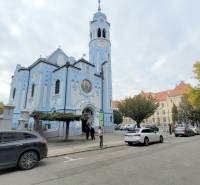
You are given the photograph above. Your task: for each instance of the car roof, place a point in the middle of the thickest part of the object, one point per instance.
(21, 131)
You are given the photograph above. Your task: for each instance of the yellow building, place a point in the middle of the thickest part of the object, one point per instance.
(166, 100)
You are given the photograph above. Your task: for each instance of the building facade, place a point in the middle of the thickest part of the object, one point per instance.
(166, 100)
(60, 83)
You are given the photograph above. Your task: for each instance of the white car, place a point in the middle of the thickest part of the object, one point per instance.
(144, 136)
(196, 130)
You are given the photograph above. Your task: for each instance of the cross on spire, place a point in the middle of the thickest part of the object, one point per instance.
(99, 9)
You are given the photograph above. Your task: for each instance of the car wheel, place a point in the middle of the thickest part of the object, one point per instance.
(28, 160)
(146, 141)
(161, 139)
(176, 135)
(129, 143)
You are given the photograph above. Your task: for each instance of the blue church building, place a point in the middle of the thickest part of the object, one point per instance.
(59, 83)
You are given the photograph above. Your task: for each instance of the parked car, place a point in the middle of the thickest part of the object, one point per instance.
(196, 130)
(143, 135)
(21, 149)
(131, 127)
(117, 127)
(152, 126)
(123, 127)
(183, 130)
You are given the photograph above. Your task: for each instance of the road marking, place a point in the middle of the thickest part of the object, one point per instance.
(69, 159)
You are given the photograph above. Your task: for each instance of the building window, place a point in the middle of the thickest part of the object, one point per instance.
(104, 33)
(99, 33)
(13, 94)
(57, 87)
(91, 35)
(32, 90)
(163, 112)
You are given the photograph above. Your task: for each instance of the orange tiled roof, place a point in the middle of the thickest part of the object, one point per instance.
(180, 89)
(115, 104)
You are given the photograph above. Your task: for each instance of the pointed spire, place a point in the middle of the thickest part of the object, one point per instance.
(99, 9)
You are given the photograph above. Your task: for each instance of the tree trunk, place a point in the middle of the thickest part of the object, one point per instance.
(138, 125)
(67, 130)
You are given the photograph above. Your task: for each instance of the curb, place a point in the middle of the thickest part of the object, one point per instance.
(85, 150)
(89, 149)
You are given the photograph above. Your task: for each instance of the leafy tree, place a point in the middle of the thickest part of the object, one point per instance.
(1, 107)
(194, 93)
(56, 116)
(190, 107)
(197, 70)
(194, 97)
(174, 114)
(118, 118)
(138, 108)
(187, 114)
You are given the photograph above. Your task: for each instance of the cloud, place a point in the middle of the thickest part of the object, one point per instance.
(154, 43)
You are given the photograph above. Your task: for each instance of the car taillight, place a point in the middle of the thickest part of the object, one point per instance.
(44, 141)
(137, 135)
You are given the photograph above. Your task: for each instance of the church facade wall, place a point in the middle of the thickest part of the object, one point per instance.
(59, 83)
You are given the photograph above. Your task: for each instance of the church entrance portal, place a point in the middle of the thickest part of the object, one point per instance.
(88, 117)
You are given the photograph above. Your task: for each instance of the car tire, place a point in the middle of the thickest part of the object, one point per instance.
(146, 141)
(176, 135)
(161, 139)
(28, 160)
(130, 144)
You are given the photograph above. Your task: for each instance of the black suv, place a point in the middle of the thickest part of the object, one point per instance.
(22, 149)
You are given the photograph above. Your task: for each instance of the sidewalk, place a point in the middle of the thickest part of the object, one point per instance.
(77, 144)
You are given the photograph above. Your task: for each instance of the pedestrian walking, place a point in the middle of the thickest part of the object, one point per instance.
(92, 133)
(100, 133)
(87, 131)
(170, 128)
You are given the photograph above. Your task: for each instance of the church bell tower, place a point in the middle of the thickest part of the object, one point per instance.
(100, 56)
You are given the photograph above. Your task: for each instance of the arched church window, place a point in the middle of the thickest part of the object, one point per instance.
(13, 94)
(104, 33)
(99, 32)
(32, 90)
(57, 87)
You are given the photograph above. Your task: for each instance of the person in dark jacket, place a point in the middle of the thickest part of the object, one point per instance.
(92, 133)
(87, 131)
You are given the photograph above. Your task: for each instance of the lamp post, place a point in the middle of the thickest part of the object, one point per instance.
(102, 91)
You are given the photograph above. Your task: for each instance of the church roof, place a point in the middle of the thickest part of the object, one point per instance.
(58, 57)
(67, 65)
(84, 61)
(39, 61)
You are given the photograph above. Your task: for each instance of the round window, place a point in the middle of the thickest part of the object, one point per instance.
(86, 86)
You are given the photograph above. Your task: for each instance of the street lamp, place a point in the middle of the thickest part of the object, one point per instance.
(102, 89)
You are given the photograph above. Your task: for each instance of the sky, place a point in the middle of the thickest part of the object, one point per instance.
(154, 42)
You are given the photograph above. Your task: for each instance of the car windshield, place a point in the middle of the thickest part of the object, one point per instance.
(134, 131)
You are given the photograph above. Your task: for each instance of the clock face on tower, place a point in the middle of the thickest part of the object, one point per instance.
(86, 86)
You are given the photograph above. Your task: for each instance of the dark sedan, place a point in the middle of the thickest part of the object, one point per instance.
(22, 149)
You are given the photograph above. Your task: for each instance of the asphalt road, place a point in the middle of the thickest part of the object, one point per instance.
(175, 162)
